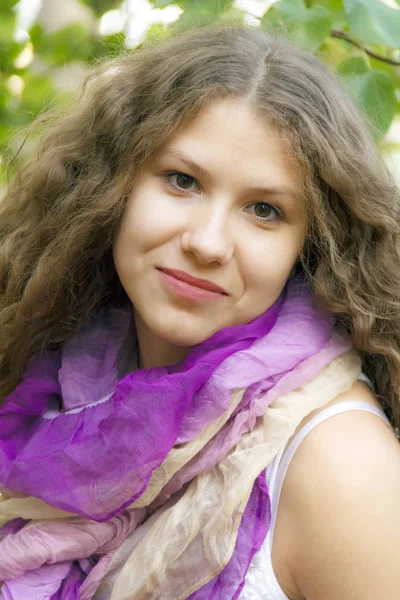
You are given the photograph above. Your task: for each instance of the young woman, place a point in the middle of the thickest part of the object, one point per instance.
(200, 310)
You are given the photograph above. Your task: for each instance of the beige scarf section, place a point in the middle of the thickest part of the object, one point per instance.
(191, 538)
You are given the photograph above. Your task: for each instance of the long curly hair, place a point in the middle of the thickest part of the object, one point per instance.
(61, 213)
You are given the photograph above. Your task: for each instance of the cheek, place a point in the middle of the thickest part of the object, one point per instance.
(137, 224)
(268, 264)
(149, 218)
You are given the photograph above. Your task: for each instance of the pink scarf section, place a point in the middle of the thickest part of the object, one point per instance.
(39, 555)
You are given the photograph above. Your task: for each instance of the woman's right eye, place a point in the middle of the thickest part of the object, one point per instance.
(182, 181)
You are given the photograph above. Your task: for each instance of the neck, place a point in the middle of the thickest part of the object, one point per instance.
(154, 351)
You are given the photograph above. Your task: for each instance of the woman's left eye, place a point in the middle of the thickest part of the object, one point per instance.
(265, 212)
(182, 181)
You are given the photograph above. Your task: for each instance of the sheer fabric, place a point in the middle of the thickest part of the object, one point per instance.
(132, 484)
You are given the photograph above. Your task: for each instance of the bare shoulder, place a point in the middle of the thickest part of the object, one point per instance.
(341, 503)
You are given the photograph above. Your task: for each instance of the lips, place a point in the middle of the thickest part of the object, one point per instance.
(203, 284)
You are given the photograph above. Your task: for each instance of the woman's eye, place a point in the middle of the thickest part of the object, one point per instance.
(263, 211)
(183, 182)
(266, 212)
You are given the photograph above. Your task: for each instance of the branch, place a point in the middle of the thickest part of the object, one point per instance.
(342, 35)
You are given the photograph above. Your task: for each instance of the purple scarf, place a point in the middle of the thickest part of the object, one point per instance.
(87, 442)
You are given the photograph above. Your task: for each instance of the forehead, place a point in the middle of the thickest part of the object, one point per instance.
(247, 138)
(230, 139)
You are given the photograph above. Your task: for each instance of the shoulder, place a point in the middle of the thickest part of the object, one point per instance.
(344, 511)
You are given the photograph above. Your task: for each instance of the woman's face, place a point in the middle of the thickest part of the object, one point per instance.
(220, 202)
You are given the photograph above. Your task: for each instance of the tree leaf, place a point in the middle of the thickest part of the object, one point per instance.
(7, 6)
(373, 22)
(199, 13)
(308, 26)
(37, 95)
(99, 7)
(354, 65)
(108, 46)
(7, 26)
(64, 45)
(375, 94)
(207, 8)
(273, 19)
(162, 3)
(335, 7)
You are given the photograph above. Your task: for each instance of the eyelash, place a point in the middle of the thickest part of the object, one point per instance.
(168, 178)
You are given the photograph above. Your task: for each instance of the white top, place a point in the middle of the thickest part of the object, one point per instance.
(261, 583)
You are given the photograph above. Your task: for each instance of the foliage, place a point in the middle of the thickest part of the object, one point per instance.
(360, 39)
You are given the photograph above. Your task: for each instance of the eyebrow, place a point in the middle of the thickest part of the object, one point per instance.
(286, 191)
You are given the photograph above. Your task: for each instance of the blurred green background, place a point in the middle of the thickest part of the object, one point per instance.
(46, 47)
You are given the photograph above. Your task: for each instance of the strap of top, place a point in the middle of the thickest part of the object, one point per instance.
(283, 459)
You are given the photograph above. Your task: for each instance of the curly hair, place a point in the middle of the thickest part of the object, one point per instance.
(61, 213)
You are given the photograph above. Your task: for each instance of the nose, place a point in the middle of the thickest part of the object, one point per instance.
(207, 236)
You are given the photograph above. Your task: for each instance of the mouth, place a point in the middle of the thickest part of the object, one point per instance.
(194, 292)
(194, 282)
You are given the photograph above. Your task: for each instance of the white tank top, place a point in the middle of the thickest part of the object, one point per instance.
(261, 583)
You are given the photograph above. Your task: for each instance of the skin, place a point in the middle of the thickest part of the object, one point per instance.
(222, 228)
(338, 524)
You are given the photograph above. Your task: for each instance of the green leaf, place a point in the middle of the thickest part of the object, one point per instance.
(99, 7)
(156, 32)
(162, 3)
(335, 7)
(37, 95)
(373, 21)
(231, 16)
(65, 45)
(108, 46)
(207, 8)
(273, 19)
(8, 54)
(375, 93)
(308, 26)
(7, 6)
(354, 65)
(7, 26)
(4, 94)
(200, 13)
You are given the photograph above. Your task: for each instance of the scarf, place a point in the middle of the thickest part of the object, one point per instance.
(152, 485)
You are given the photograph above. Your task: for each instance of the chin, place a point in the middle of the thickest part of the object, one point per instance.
(184, 339)
(183, 334)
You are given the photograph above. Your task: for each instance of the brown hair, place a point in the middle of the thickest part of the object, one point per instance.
(61, 214)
